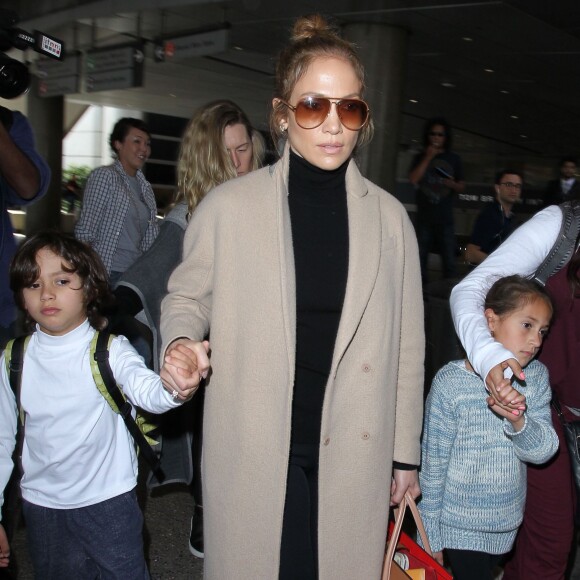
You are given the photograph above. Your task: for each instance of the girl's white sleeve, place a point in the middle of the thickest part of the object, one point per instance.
(521, 253)
(141, 385)
(8, 424)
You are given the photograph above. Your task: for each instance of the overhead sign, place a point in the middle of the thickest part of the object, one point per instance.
(58, 77)
(198, 44)
(115, 67)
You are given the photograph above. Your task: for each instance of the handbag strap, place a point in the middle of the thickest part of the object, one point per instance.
(556, 406)
(407, 502)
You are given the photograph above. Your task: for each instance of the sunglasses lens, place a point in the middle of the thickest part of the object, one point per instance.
(352, 113)
(311, 112)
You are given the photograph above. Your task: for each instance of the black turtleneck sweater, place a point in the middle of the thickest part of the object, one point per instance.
(319, 218)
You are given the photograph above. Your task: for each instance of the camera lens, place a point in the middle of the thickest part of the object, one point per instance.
(14, 78)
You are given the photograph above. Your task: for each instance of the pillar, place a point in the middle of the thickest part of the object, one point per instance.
(383, 51)
(46, 116)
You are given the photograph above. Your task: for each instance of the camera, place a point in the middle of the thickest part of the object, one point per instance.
(14, 75)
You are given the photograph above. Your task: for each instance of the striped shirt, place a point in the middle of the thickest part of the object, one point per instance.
(106, 201)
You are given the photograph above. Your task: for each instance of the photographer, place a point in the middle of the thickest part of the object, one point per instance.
(24, 178)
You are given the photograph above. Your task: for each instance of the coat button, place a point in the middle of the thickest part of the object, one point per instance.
(366, 368)
(365, 435)
(326, 441)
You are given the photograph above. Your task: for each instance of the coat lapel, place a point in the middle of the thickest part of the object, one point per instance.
(364, 226)
(279, 172)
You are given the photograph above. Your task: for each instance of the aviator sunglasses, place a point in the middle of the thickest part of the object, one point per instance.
(311, 112)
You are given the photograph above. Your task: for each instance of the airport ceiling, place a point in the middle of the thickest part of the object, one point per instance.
(505, 70)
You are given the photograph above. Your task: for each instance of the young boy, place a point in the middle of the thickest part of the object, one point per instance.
(79, 461)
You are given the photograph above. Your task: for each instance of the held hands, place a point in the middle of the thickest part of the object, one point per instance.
(186, 363)
(502, 394)
(4, 548)
(517, 421)
(402, 481)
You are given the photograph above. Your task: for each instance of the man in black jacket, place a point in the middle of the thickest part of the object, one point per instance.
(496, 221)
(566, 187)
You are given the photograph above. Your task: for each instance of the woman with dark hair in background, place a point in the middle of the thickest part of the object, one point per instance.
(437, 173)
(118, 215)
(307, 277)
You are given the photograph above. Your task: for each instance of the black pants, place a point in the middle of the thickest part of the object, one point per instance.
(470, 565)
(299, 551)
(197, 404)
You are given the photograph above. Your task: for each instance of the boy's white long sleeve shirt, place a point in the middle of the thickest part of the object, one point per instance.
(77, 451)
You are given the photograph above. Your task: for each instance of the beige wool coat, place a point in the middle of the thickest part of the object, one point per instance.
(237, 280)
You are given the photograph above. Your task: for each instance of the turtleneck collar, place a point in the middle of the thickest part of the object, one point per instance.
(313, 184)
(80, 333)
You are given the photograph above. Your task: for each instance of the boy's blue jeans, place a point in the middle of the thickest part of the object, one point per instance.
(102, 541)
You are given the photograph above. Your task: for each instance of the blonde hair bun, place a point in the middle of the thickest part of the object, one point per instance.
(307, 27)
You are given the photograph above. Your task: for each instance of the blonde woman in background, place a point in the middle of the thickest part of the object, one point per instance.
(218, 144)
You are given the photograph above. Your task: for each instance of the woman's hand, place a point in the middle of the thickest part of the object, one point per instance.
(185, 364)
(501, 390)
(438, 557)
(404, 480)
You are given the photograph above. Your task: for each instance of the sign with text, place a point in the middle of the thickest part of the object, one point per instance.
(115, 67)
(198, 44)
(58, 77)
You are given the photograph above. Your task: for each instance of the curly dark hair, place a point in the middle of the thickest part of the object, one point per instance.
(81, 260)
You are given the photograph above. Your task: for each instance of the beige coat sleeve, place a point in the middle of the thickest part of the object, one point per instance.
(186, 310)
(409, 411)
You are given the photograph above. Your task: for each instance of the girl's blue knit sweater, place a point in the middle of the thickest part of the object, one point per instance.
(473, 472)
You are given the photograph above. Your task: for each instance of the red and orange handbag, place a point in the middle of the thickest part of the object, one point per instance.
(404, 558)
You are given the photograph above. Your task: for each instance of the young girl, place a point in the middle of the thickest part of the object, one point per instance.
(473, 474)
(79, 461)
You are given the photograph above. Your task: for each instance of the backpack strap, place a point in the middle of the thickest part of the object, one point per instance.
(14, 359)
(107, 385)
(564, 245)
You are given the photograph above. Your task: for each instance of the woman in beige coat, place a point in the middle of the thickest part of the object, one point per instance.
(307, 276)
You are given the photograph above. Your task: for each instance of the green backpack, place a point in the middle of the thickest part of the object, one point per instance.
(139, 427)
